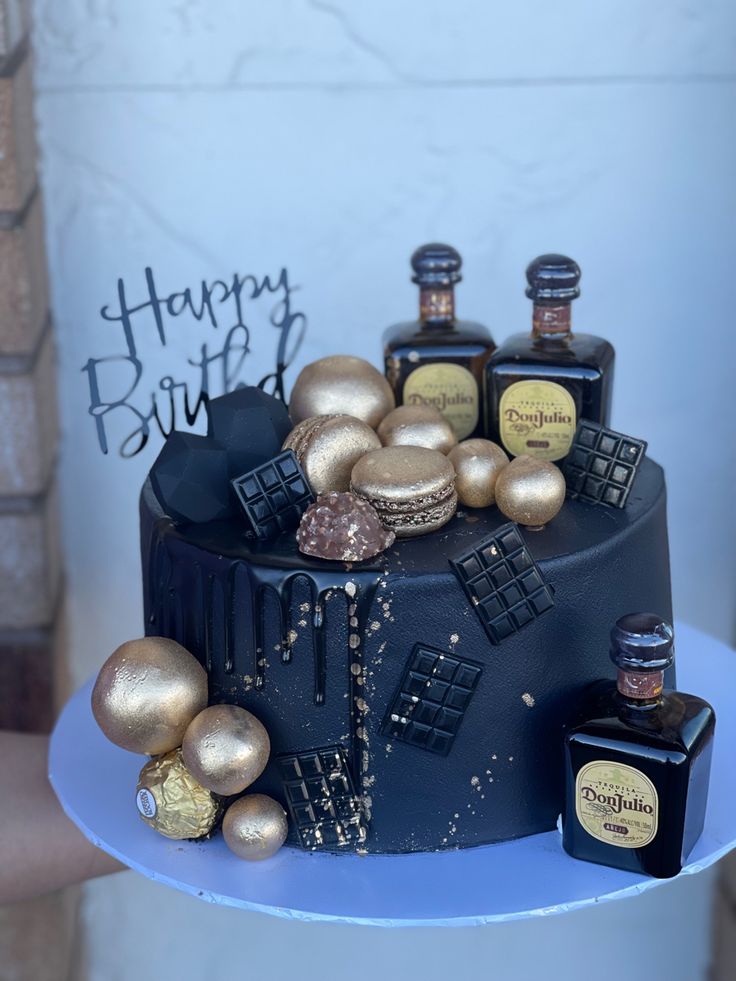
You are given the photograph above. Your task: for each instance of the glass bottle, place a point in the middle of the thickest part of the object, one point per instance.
(539, 385)
(637, 768)
(439, 360)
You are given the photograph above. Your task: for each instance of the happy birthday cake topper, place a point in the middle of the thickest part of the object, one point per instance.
(222, 311)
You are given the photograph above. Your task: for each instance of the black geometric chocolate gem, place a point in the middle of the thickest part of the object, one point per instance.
(431, 699)
(274, 495)
(251, 424)
(321, 798)
(503, 582)
(601, 465)
(190, 479)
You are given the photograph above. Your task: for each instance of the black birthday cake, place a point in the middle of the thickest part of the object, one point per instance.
(371, 614)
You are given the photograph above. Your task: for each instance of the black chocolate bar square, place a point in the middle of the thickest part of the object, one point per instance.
(432, 697)
(321, 798)
(274, 496)
(517, 594)
(602, 464)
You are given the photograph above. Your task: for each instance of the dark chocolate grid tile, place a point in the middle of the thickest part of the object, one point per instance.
(321, 798)
(601, 465)
(275, 495)
(431, 699)
(502, 581)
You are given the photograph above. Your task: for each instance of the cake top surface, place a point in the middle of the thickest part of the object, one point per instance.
(577, 527)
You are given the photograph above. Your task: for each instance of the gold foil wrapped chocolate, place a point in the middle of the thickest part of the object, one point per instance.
(328, 447)
(417, 425)
(341, 385)
(477, 464)
(255, 827)
(171, 801)
(530, 491)
(147, 693)
(226, 748)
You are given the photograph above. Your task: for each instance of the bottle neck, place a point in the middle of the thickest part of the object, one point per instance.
(551, 321)
(436, 306)
(640, 687)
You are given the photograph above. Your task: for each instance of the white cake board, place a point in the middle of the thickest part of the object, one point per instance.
(95, 782)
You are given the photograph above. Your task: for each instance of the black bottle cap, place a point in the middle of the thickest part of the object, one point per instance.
(642, 642)
(436, 265)
(553, 278)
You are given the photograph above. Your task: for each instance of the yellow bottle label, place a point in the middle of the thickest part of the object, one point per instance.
(449, 388)
(538, 418)
(617, 804)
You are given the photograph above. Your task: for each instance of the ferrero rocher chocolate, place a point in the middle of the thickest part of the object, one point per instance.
(530, 491)
(226, 749)
(172, 802)
(342, 527)
(255, 827)
(339, 385)
(328, 447)
(477, 464)
(417, 425)
(147, 693)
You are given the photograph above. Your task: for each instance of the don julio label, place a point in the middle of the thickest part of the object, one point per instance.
(449, 388)
(616, 804)
(538, 418)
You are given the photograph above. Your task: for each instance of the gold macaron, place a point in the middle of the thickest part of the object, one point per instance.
(411, 487)
(328, 447)
(417, 425)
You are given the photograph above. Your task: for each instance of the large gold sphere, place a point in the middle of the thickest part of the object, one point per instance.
(341, 385)
(417, 425)
(172, 802)
(147, 693)
(328, 447)
(530, 491)
(477, 463)
(226, 749)
(255, 827)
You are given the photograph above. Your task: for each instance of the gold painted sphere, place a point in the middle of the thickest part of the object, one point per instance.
(417, 425)
(530, 491)
(477, 463)
(226, 749)
(341, 384)
(328, 447)
(147, 693)
(172, 802)
(255, 827)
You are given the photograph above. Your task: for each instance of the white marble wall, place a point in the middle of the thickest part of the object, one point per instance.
(204, 137)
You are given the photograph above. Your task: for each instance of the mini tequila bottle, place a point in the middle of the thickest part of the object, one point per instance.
(637, 768)
(437, 359)
(539, 385)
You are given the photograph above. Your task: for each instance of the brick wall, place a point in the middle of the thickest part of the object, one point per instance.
(37, 938)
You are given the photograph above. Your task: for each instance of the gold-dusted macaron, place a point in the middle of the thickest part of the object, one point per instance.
(417, 425)
(530, 491)
(412, 488)
(477, 463)
(328, 447)
(338, 385)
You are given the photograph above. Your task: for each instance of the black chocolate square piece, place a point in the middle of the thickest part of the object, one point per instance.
(431, 699)
(502, 581)
(321, 798)
(601, 465)
(275, 495)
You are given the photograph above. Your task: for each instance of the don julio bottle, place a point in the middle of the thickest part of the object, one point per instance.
(539, 385)
(438, 360)
(637, 768)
